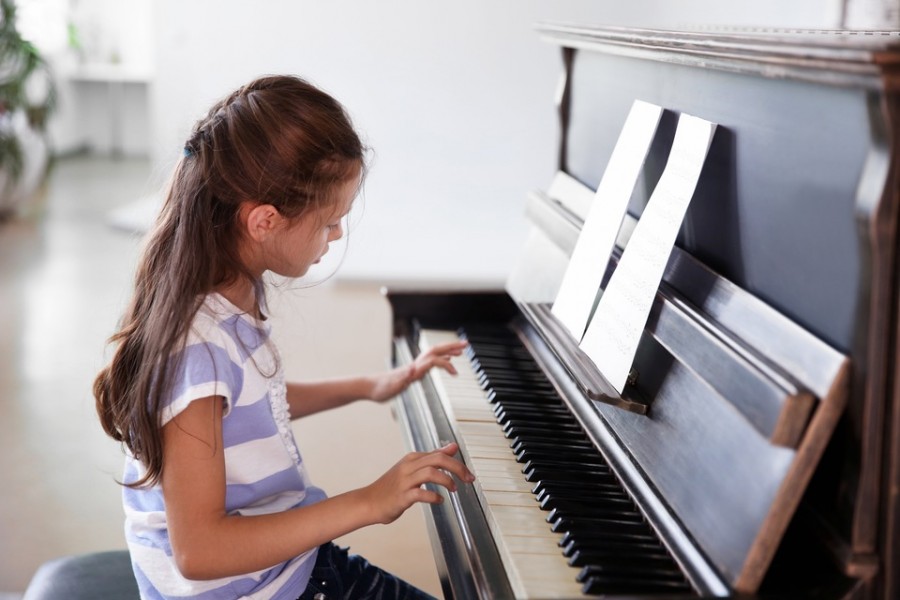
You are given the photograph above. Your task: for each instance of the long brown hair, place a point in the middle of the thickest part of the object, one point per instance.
(277, 140)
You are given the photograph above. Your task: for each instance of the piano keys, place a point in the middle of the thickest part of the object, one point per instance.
(754, 451)
(564, 523)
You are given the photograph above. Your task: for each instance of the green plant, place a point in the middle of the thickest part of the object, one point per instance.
(26, 86)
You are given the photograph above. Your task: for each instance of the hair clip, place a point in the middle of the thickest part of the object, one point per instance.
(187, 152)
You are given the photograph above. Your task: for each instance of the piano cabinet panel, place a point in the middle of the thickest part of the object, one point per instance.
(725, 462)
(728, 484)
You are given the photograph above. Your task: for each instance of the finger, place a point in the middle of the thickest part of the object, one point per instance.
(412, 456)
(449, 448)
(435, 476)
(423, 366)
(451, 348)
(442, 459)
(424, 495)
(445, 362)
(448, 366)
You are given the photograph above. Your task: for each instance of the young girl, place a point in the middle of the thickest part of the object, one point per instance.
(218, 503)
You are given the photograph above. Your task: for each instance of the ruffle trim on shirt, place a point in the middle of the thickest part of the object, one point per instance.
(282, 414)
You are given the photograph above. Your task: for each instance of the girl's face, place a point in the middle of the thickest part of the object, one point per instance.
(302, 243)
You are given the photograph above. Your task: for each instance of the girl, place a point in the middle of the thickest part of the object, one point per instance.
(217, 501)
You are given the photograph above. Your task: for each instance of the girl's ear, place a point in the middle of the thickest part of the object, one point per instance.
(260, 220)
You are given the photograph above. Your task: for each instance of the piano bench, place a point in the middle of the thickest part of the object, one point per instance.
(97, 576)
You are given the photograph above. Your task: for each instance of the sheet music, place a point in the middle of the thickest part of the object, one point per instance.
(612, 337)
(584, 273)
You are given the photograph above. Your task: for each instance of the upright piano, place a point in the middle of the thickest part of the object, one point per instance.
(755, 450)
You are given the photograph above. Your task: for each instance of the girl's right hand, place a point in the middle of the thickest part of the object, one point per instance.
(401, 486)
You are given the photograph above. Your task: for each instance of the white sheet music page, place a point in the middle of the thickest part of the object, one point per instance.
(581, 281)
(612, 337)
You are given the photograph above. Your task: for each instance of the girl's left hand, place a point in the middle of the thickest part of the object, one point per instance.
(388, 385)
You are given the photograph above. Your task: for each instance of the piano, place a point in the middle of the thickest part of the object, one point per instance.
(755, 450)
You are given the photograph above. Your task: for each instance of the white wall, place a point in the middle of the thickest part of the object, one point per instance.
(96, 110)
(455, 98)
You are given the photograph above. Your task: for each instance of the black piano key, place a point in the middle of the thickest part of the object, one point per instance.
(572, 542)
(570, 546)
(541, 417)
(560, 424)
(536, 433)
(576, 463)
(527, 401)
(612, 585)
(607, 555)
(515, 362)
(531, 379)
(567, 456)
(633, 570)
(639, 543)
(586, 530)
(605, 587)
(527, 435)
(506, 363)
(503, 413)
(549, 477)
(597, 512)
(521, 381)
(495, 396)
(574, 460)
(596, 495)
(600, 512)
(550, 447)
(498, 352)
(563, 521)
(519, 428)
(549, 504)
(538, 417)
(596, 490)
(518, 390)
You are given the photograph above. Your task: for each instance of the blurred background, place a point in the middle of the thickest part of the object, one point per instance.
(455, 99)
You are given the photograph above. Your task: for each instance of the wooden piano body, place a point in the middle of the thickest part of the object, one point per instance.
(768, 462)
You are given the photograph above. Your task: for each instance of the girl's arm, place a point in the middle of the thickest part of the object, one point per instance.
(208, 543)
(310, 398)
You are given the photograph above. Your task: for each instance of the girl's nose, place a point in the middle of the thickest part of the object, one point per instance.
(336, 233)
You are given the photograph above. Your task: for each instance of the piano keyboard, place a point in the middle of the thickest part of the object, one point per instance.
(563, 524)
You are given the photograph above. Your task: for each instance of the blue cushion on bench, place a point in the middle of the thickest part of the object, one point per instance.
(98, 576)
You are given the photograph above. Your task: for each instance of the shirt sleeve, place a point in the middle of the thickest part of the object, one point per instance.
(206, 366)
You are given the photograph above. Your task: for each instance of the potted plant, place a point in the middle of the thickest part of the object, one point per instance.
(27, 98)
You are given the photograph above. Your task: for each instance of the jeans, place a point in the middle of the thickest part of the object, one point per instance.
(339, 575)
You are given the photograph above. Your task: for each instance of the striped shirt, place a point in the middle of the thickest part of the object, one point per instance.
(227, 354)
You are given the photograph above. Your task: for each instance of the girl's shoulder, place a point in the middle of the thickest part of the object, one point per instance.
(221, 322)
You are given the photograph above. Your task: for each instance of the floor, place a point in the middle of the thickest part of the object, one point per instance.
(65, 274)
